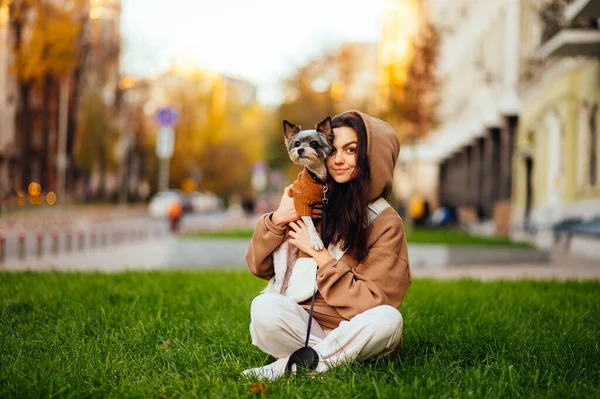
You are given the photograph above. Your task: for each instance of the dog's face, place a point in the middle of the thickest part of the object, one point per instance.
(308, 147)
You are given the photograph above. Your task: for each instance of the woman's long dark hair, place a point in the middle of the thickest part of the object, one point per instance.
(347, 219)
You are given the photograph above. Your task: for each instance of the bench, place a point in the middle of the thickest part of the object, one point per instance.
(570, 227)
(564, 226)
(590, 229)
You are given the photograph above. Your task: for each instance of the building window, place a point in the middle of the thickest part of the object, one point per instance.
(593, 145)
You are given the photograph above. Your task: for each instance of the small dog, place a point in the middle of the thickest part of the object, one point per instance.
(308, 148)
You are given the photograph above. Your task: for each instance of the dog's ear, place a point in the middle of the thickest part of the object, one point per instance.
(325, 128)
(289, 129)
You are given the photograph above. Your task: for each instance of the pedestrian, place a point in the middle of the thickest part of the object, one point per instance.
(363, 274)
(174, 214)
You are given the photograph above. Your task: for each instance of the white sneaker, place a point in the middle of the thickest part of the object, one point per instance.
(268, 372)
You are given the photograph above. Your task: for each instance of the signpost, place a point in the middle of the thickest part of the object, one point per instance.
(165, 142)
(259, 176)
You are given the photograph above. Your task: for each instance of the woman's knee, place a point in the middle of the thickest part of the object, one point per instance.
(384, 321)
(267, 310)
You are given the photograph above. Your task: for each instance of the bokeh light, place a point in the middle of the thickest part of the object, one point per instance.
(50, 198)
(34, 189)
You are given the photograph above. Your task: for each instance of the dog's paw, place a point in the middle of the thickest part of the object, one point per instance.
(316, 243)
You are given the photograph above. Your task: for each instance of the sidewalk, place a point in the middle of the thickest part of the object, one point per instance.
(172, 252)
(552, 271)
(57, 217)
(169, 252)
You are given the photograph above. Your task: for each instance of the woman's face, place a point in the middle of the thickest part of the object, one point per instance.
(341, 162)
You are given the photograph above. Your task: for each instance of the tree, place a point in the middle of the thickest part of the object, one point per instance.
(413, 102)
(226, 169)
(44, 46)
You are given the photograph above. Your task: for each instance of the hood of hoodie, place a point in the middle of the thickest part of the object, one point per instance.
(383, 148)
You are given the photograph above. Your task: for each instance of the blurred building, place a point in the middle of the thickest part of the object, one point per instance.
(134, 144)
(556, 167)
(104, 38)
(102, 76)
(97, 68)
(478, 73)
(8, 107)
(520, 86)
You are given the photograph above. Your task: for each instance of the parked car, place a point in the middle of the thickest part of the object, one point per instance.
(161, 201)
(205, 202)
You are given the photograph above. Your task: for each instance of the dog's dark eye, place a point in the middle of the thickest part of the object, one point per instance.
(314, 144)
(296, 144)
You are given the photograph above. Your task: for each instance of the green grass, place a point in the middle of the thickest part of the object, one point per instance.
(230, 233)
(459, 237)
(185, 334)
(418, 236)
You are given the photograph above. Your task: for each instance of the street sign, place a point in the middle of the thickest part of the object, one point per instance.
(167, 116)
(165, 141)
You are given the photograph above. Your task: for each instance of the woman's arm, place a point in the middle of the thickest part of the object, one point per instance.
(268, 235)
(382, 278)
(266, 238)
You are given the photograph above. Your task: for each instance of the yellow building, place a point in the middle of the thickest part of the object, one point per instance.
(555, 165)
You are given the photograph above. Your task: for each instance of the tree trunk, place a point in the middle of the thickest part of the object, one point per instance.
(102, 172)
(24, 112)
(25, 144)
(45, 154)
(72, 128)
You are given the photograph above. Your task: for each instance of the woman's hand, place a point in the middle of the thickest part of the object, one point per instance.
(316, 210)
(286, 212)
(301, 239)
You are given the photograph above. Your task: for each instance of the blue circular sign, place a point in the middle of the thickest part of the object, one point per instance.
(166, 116)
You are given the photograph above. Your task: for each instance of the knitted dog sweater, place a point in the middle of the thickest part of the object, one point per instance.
(305, 192)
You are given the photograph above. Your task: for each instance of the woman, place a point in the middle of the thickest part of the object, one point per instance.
(358, 293)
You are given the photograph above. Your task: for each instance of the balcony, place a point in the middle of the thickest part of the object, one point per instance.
(569, 30)
(572, 43)
(582, 9)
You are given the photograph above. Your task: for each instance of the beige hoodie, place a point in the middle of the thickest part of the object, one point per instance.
(347, 287)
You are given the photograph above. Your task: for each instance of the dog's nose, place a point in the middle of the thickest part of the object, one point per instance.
(300, 151)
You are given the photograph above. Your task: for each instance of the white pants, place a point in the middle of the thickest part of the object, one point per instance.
(279, 325)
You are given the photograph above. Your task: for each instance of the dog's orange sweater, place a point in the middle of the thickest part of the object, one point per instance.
(305, 192)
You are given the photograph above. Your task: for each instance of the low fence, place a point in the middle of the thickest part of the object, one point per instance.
(26, 244)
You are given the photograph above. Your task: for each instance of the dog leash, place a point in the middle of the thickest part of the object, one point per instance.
(312, 303)
(307, 357)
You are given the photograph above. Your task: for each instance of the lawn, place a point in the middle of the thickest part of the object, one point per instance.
(418, 236)
(185, 334)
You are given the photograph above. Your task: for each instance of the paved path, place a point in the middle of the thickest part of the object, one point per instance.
(85, 231)
(172, 252)
(164, 253)
(562, 271)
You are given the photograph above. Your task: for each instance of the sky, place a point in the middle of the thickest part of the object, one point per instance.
(260, 40)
